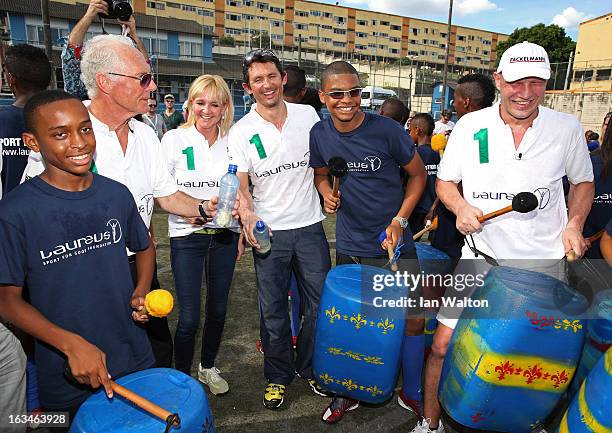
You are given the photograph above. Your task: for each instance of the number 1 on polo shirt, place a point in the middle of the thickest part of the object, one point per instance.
(256, 140)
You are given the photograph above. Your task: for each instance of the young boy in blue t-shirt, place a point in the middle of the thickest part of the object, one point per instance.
(64, 234)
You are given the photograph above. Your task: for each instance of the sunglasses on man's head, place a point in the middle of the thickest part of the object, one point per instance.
(145, 79)
(339, 94)
(258, 54)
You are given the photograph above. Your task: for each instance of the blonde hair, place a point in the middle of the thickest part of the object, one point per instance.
(216, 87)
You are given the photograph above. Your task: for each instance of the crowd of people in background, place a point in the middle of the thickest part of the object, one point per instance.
(95, 153)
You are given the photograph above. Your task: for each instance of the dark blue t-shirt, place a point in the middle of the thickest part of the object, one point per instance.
(431, 159)
(14, 152)
(601, 211)
(69, 248)
(371, 192)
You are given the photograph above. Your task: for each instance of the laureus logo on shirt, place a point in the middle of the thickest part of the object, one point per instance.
(286, 167)
(111, 235)
(543, 195)
(369, 163)
(199, 183)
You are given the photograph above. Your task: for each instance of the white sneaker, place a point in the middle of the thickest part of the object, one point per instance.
(423, 427)
(211, 378)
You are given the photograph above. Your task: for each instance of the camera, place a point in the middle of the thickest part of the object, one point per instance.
(121, 9)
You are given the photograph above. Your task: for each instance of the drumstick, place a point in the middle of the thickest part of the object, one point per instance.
(523, 202)
(391, 254)
(430, 227)
(145, 404)
(571, 255)
(337, 167)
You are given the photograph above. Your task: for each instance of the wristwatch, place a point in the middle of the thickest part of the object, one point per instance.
(202, 210)
(403, 222)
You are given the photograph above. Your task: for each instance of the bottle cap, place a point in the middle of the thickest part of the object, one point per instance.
(233, 168)
(260, 225)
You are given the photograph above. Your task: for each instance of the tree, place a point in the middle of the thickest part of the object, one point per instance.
(227, 41)
(553, 38)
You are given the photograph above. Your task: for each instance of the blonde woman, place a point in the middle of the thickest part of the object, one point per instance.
(197, 158)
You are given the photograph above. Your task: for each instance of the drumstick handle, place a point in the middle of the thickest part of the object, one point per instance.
(571, 255)
(141, 402)
(495, 214)
(335, 186)
(391, 254)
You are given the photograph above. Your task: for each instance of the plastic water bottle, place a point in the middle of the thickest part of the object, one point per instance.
(262, 235)
(227, 197)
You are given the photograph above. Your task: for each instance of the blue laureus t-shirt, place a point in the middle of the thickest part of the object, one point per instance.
(69, 248)
(371, 191)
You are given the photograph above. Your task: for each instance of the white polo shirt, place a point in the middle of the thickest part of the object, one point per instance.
(143, 169)
(440, 127)
(278, 164)
(481, 154)
(196, 168)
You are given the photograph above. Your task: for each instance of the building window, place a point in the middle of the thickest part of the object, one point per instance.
(263, 6)
(396, 27)
(326, 27)
(373, 22)
(442, 35)
(190, 49)
(414, 42)
(300, 26)
(471, 37)
(277, 10)
(603, 75)
(230, 31)
(315, 13)
(384, 23)
(156, 5)
(339, 44)
(327, 40)
(327, 14)
(393, 50)
(301, 13)
(206, 13)
(458, 59)
(362, 23)
(394, 39)
(415, 31)
(232, 17)
(173, 5)
(413, 53)
(209, 29)
(188, 8)
(461, 38)
(276, 23)
(460, 49)
(340, 31)
(361, 35)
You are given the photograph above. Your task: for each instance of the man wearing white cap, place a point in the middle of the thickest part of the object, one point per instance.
(515, 145)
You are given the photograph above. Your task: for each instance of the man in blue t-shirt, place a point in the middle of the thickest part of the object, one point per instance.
(27, 71)
(64, 234)
(421, 130)
(371, 198)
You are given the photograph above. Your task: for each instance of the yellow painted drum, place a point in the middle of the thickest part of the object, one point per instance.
(358, 344)
(507, 374)
(591, 409)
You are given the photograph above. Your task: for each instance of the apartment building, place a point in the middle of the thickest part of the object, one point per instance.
(593, 56)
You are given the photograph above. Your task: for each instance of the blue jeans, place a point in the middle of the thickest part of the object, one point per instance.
(305, 251)
(190, 256)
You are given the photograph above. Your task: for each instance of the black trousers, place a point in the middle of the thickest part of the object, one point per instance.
(157, 328)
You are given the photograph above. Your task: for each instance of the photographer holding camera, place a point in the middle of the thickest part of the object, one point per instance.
(71, 54)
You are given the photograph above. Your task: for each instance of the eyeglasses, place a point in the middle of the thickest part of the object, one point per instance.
(339, 94)
(258, 54)
(152, 105)
(145, 79)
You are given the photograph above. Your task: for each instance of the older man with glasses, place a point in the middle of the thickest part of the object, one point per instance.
(119, 82)
(270, 145)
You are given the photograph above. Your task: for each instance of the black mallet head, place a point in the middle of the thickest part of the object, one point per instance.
(337, 166)
(524, 202)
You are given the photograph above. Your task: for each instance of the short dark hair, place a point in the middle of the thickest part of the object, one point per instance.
(446, 113)
(424, 121)
(311, 97)
(259, 56)
(396, 110)
(296, 80)
(29, 65)
(338, 67)
(40, 99)
(594, 136)
(479, 88)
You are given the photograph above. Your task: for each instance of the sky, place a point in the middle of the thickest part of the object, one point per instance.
(502, 16)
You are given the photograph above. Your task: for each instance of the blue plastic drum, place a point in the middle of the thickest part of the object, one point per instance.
(591, 409)
(358, 341)
(507, 374)
(431, 260)
(598, 337)
(170, 389)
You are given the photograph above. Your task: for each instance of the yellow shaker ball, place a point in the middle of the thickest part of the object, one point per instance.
(159, 303)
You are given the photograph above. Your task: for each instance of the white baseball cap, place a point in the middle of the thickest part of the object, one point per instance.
(524, 60)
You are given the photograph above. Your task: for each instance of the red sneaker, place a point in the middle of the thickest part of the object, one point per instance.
(413, 406)
(337, 408)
